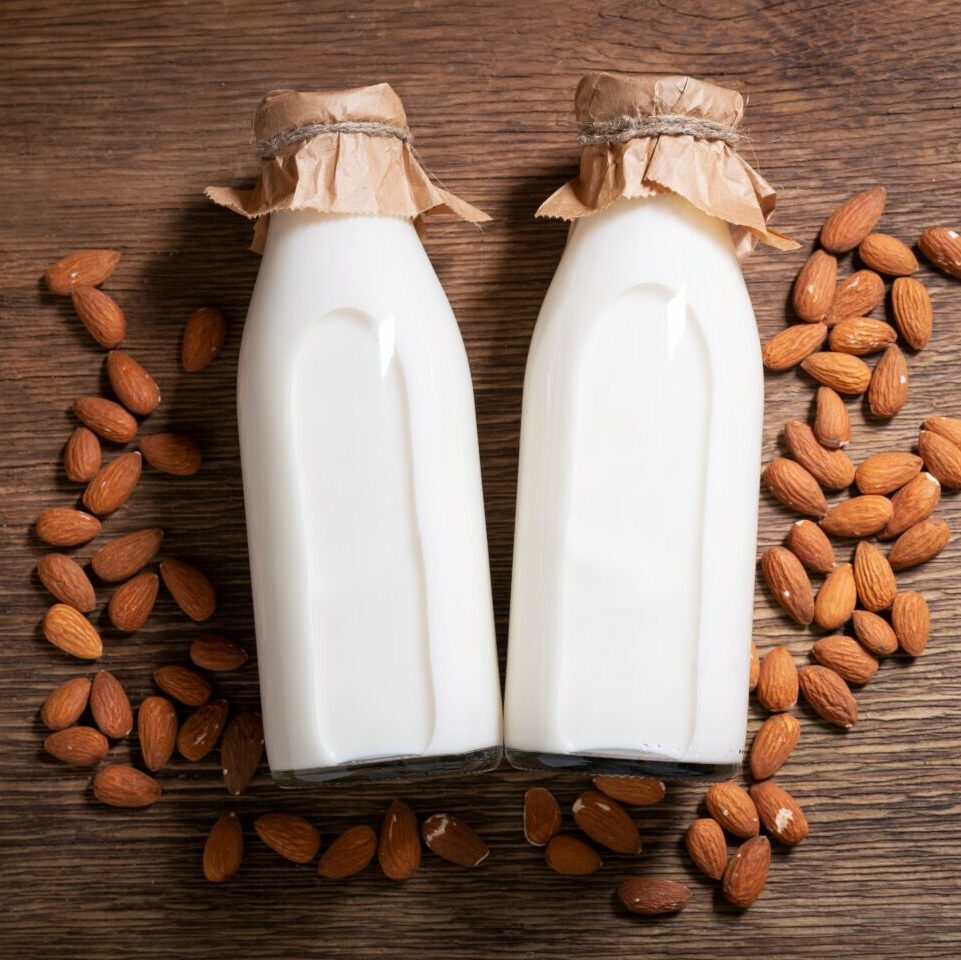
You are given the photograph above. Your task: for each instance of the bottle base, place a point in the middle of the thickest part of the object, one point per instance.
(412, 768)
(618, 766)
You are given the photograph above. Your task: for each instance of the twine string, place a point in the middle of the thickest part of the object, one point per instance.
(658, 125)
(298, 134)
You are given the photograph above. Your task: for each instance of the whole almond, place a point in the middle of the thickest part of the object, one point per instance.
(210, 651)
(947, 427)
(707, 847)
(350, 853)
(157, 730)
(68, 629)
(846, 657)
(874, 578)
(121, 558)
(132, 602)
(100, 314)
(66, 580)
(794, 487)
(183, 684)
(241, 750)
(120, 785)
(887, 472)
(887, 255)
(911, 621)
(204, 335)
(888, 391)
(746, 872)
(832, 425)
(454, 841)
(874, 632)
(789, 584)
(572, 857)
(842, 372)
(754, 669)
(855, 296)
(810, 544)
(110, 706)
(789, 347)
(853, 220)
(919, 543)
(113, 484)
(861, 336)
(79, 746)
(634, 791)
(134, 387)
(85, 268)
(780, 813)
(65, 527)
(65, 704)
(81, 455)
(200, 732)
(942, 246)
(172, 453)
(606, 822)
(653, 896)
(399, 848)
(828, 695)
(106, 418)
(542, 816)
(732, 807)
(191, 590)
(224, 849)
(913, 312)
(293, 837)
(832, 469)
(777, 681)
(836, 599)
(942, 458)
(814, 286)
(773, 744)
(858, 517)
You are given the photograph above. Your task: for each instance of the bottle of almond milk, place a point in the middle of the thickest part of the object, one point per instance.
(634, 553)
(365, 518)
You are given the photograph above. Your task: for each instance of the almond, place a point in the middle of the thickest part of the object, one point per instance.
(888, 391)
(65, 527)
(113, 484)
(635, 791)
(777, 681)
(653, 896)
(942, 246)
(131, 603)
(172, 453)
(210, 651)
(64, 705)
(122, 786)
(183, 684)
(853, 220)
(542, 816)
(399, 848)
(454, 841)
(294, 838)
(191, 590)
(200, 732)
(780, 813)
(85, 268)
(81, 455)
(832, 425)
(832, 469)
(66, 580)
(606, 822)
(814, 286)
(861, 336)
(789, 584)
(106, 418)
(874, 578)
(947, 427)
(810, 544)
(887, 255)
(754, 669)
(204, 335)
(572, 857)
(72, 632)
(794, 487)
(100, 314)
(789, 347)
(224, 849)
(350, 853)
(841, 371)
(855, 296)
(913, 312)
(836, 599)
(241, 750)
(911, 620)
(157, 730)
(773, 744)
(122, 558)
(746, 872)
(874, 632)
(914, 502)
(942, 458)
(80, 746)
(110, 706)
(707, 847)
(828, 695)
(919, 543)
(858, 516)
(733, 809)
(846, 657)
(887, 472)
(134, 387)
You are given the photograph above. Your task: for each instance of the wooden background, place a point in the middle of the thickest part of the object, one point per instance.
(114, 116)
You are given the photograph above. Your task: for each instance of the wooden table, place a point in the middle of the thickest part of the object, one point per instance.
(115, 116)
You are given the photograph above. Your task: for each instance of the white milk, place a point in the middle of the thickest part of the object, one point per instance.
(365, 518)
(634, 553)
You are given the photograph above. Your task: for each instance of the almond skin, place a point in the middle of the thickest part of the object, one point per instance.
(842, 372)
(66, 580)
(828, 695)
(777, 681)
(64, 527)
(241, 751)
(789, 347)
(172, 453)
(606, 822)
(85, 268)
(913, 312)
(789, 584)
(454, 841)
(814, 287)
(78, 746)
(855, 296)
(572, 857)
(942, 458)
(212, 652)
(200, 732)
(886, 472)
(157, 730)
(947, 427)
(875, 633)
(746, 873)
(846, 657)
(911, 621)
(832, 425)
(106, 418)
(836, 599)
(888, 391)
(653, 896)
(72, 632)
(64, 705)
(122, 786)
(861, 336)
(121, 558)
(294, 838)
(191, 590)
(874, 578)
(832, 469)
(110, 706)
(100, 314)
(810, 544)
(919, 543)
(794, 487)
(707, 847)
(204, 335)
(81, 455)
(542, 816)
(853, 220)
(399, 848)
(113, 484)
(131, 603)
(634, 791)
(942, 246)
(350, 853)
(134, 387)
(914, 502)
(858, 517)
(224, 849)
(732, 807)
(773, 744)
(780, 813)
(183, 684)
(887, 255)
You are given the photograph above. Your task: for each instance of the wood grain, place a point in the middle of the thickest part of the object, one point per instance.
(115, 115)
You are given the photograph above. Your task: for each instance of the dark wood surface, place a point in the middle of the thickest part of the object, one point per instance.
(114, 117)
